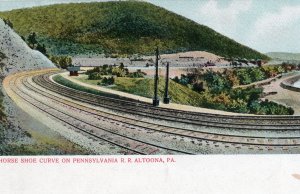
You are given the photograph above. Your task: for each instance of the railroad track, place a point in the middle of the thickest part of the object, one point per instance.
(39, 84)
(134, 146)
(200, 119)
(156, 127)
(243, 140)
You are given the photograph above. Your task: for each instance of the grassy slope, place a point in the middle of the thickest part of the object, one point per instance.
(120, 27)
(65, 82)
(144, 87)
(179, 94)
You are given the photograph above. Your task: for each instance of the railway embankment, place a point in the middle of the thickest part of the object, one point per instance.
(143, 99)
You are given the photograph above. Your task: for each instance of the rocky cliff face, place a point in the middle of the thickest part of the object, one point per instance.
(16, 55)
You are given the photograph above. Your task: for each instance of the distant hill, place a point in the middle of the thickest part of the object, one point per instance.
(284, 56)
(123, 27)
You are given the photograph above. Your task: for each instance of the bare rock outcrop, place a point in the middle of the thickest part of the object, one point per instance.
(17, 55)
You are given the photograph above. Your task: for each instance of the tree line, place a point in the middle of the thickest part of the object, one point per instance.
(60, 61)
(216, 88)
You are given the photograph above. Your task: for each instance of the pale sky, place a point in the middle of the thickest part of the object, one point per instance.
(265, 25)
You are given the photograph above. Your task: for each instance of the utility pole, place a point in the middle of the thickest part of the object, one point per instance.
(166, 96)
(155, 99)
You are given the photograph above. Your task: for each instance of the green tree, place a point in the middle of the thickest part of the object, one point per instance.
(107, 81)
(176, 79)
(256, 74)
(244, 76)
(65, 61)
(9, 23)
(232, 77)
(198, 86)
(42, 49)
(121, 66)
(61, 61)
(32, 40)
(216, 82)
(69, 60)
(94, 76)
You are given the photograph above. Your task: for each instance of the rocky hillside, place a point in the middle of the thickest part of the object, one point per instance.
(15, 55)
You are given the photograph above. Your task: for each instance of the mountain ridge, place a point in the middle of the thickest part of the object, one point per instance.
(123, 27)
(284, 55)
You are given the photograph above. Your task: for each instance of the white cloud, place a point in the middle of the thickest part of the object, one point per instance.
(223, 19)
(277, 31)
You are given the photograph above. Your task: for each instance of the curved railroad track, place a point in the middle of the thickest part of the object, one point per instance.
(131, 144)
(37, 88)
(196, 118)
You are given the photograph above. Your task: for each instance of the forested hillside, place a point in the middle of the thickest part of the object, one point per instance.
(123, 27)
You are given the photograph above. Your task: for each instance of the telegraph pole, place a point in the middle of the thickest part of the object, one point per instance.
(166, 96)
(155, 99)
